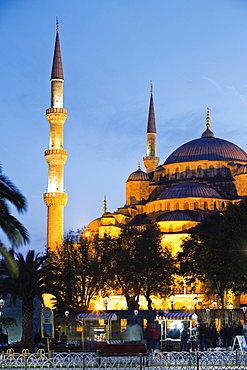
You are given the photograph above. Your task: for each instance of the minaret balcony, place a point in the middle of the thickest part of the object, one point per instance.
(55, 198)
(56, 151)
(56, 110)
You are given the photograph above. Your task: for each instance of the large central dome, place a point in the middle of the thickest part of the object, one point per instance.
(207, 148)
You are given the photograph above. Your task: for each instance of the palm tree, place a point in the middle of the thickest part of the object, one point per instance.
(36, 277)
(13, 229)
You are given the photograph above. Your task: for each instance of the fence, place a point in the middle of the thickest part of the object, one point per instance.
(210, 360)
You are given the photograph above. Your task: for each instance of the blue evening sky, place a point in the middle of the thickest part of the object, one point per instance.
(194, 52)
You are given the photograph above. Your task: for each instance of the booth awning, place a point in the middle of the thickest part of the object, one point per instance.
(176, 316)
(96, 316)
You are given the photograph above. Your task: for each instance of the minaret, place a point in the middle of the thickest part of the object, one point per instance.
(55, 198)
(151, 161)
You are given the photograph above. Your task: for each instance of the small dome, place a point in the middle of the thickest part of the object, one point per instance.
(189, 190)
(138, 175)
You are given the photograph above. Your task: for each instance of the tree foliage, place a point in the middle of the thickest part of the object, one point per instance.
(141, 266)
(36, 277)
(84, 263)
(216, 252)
(10, 194)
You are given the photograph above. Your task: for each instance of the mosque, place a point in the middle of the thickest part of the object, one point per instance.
(200, 177)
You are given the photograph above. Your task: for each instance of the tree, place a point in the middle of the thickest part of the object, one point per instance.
(84, 264)
(36, 277)
(142, 266)
(215, 252)
(13, 229)
(155, 265)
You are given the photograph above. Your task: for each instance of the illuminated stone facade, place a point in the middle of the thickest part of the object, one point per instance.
(199, 178)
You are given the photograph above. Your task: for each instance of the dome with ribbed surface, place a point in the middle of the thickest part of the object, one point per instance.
(207, 148)
(138, 175)
(189, 190)
(177, 216)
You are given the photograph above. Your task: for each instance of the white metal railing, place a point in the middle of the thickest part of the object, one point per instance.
(212, 360)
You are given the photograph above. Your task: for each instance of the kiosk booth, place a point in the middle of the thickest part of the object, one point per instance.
(96, 327)
(171, 325)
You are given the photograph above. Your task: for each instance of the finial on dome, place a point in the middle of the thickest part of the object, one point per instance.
(151, 87)
(57, 24)
(105, 205)
(208, 118)
(139, 167)
(208, 132)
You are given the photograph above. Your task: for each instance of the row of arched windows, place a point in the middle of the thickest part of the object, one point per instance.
(199, 172)
(181, 206)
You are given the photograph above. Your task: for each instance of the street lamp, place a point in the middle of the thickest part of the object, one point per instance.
(214, 304)
(244, 311)
(65, 339)
(2, 301)
(230, 308)
(106, 300)
(195, 300)
(172, 297)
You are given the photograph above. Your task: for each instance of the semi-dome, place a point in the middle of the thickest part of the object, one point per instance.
(207, 148)
(189, 190)
(138, 175)
(242, 170)
(176, 216)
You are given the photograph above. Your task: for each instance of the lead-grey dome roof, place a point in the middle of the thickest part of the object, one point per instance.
(189, 190)
(207, 148)
(138, 175)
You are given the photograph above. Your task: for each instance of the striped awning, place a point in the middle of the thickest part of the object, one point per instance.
(177, 316)
(96, 316)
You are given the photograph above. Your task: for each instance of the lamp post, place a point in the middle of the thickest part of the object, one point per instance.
(2, 301)
(230, 308)
(172, 297)
(244, 311)
(214, 304)
(66, 313)
(106, 300)
(195, 300)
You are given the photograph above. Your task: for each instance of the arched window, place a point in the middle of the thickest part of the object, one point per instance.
(177, 173)
(195, 205)
(187, 172)
(205, 205)
(223, 205)
(215, 205)
(223, 171)
(186, 205)
(199, 171)
(177, 206)
(211, 171)
(168, 206)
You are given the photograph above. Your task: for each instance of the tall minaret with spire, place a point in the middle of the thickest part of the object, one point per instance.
(151, 161)
(55, 198)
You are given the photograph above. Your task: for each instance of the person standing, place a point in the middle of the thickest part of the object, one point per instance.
(185, 335)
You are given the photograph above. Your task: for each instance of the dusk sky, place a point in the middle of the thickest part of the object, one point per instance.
(193, 51)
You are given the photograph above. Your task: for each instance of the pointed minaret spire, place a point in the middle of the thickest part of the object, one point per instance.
(151, 161)
(151, 117)
(55, 198)
(105, 205)
(208, 132)
(57, 67)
